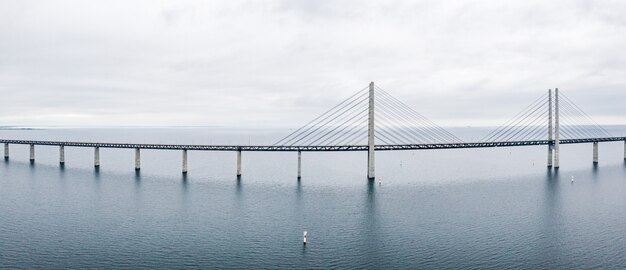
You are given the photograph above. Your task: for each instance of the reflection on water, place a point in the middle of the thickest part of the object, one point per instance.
(238, 187)
(552, 221)
(298, 192)
(96, 172)
(371, 232)
(184, 183)
(138, 190)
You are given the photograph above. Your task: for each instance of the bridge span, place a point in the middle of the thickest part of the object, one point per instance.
(273, 148)
(354, 125)
(306, 148)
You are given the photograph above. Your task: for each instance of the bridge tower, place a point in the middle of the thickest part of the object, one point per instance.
(371, 161)
(550, 142)
(556, 128)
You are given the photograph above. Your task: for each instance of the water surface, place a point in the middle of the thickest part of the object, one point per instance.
(466, 208)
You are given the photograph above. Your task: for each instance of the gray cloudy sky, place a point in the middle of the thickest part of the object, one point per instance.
(281, 63)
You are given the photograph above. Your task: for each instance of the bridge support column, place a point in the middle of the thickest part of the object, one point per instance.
(371, 161)
(185, 161)
(595, 152)
(238, 163)
(62, 155)
(556, 128)
(550, 144)
(32, 153)
(96, 157)
(6, 151)
(137, 159)
(550, 150)
(299, 165)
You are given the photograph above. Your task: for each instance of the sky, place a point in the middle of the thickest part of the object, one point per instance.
(281, 63)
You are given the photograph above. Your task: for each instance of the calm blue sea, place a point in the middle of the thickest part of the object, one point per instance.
(497, 208)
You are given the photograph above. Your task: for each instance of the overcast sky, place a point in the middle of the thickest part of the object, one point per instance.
(281, 63)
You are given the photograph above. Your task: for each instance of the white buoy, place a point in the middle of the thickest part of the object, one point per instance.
(572, 179)
(304, 235)
(379, 182)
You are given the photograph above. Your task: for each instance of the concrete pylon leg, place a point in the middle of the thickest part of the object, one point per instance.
(595, 152)
(371, 161)
(239, 163)
(299, 164)
(6, 151)
(557, 128)
(550, 151)
(550, 144)
(32, 153)
(96, 157)
(556, 157)
(62, 154)
(185, 161)
(137, 159)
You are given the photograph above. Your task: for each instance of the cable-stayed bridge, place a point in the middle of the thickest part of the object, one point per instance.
(373, 120)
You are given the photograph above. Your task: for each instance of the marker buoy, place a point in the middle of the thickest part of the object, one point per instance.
(304, 235)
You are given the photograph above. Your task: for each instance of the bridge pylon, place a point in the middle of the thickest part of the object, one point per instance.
(557, 128)
(371, 147)
(567, 124)
(370, 119)
(553, 130)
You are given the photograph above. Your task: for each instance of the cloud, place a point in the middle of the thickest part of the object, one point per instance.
(280, 63)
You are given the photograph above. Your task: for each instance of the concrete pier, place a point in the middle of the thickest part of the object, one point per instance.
(185, 161)
(137, 159)
(550, 144)
(32, 153)
(595, 152)
(556, 128)
(96, 157)
(6, 151)
(61, 154)
(371, 161)
(299, 165)
(238, 162)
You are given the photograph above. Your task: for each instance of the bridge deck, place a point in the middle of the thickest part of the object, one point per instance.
(313, 148)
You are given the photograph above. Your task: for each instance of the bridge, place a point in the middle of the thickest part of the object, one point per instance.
(373, 120)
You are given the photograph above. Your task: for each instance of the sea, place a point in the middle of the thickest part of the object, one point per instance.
(481, 208)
